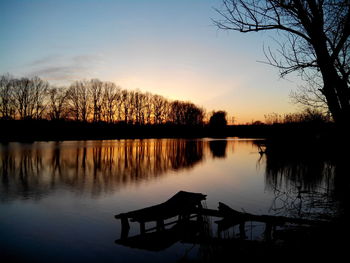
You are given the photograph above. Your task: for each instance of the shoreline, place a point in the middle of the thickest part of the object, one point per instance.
(43, 130)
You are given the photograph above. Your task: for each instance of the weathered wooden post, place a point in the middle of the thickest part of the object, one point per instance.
(142, 227)
(199, 213)
(125, 227)
(219, 232)
(242, 230)
(160, 224)
(267, 232)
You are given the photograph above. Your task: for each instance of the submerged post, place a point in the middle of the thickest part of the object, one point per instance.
(267, 232)
(125, 227)
(142, 228)
(160, 225)
(199, 212)
(242, 230)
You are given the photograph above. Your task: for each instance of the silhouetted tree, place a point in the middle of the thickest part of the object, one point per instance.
(128, 106)
(90, 101)
(185, 113)
(160, 109)
(148, 109)
(111, 101)
(139, 105)
(78, 98)
(7, 107)
(218, 119)
(176, 114)
(57, 108)
(308, 115)
(317, 41)
(96, 91)
(310, 95)
(193, 114)
(41, 88)
(29, 97)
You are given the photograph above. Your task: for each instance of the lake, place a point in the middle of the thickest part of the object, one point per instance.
(58, 199)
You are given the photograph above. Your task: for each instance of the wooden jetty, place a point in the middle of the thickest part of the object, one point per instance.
(181, 204)
(186, 206)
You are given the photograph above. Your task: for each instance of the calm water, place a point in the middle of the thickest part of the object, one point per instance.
(58, 199)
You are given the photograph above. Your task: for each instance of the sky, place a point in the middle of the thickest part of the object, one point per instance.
(171, 48)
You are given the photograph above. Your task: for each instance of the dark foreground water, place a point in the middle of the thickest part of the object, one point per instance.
(58, 199)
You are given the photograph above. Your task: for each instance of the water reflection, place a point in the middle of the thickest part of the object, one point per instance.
(32, 170)
(301, 183)
(306, 181)
(96, 167)
(218, 148)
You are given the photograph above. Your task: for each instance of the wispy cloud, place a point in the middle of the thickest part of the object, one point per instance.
(63, 69)
(43, 60)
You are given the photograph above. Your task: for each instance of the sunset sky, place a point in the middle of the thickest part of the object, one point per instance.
(165, 47)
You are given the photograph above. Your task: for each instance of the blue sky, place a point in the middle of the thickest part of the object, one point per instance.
(166, 47)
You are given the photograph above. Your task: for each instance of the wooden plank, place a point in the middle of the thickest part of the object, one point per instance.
(181, 203)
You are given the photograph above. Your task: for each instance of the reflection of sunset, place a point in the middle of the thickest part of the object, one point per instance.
(74, 186)
(152, 169)
(99, 166)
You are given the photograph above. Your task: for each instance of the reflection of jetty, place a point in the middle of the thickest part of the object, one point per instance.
(186, 206)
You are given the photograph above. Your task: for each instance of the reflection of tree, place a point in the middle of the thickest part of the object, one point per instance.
(28, 168)
(218, 148)
(303, 180)
(306, 172)
(95, 167)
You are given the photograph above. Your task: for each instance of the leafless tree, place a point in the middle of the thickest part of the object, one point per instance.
(316, 34)
(79, 102)
(159, 108)
(93, 100)
(128, 106)
(310, 95)
(148, 108)
(7, 109)
(96, 91)
(111, 100)
(125, 105)
(57, 108)
(29, 97)
(139, 102)
(40, 88)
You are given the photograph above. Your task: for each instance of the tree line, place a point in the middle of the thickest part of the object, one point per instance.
(308, 115)
(91, 101)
